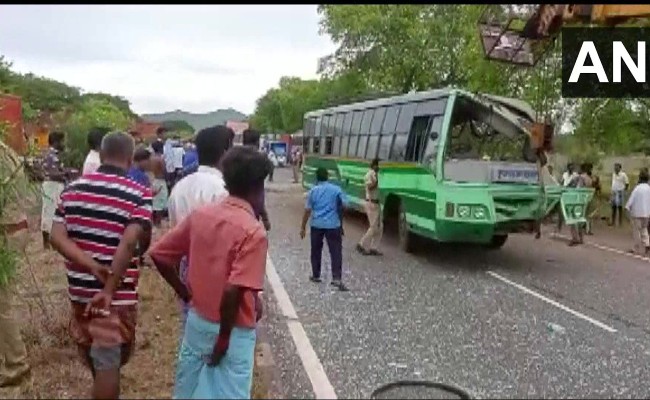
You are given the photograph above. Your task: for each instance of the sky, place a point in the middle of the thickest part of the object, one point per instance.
(195, 58)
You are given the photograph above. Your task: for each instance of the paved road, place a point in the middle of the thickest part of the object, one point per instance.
(534, 319)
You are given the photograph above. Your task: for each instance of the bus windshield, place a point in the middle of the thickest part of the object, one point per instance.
(485, 136)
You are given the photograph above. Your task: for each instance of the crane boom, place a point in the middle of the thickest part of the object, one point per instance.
(522, 34)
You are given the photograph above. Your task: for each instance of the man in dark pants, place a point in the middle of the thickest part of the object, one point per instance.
(325, 202)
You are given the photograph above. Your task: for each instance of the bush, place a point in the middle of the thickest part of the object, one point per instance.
(91, 113)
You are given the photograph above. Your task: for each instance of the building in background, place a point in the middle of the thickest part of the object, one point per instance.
(145, 130)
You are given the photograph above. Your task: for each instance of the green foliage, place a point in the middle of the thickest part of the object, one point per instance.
(393, 45)
(77, 114)
(179, 126)
(119, 102)
(403, 47)
(6, 75)
(198, 121)
(282, 109)
(45, 94)
(74, 113)
(397, 48)
(417, 47)
(92, 112)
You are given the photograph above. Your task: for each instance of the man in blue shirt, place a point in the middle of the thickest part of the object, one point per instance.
(324, 205)
(190, 160)
(140, 166)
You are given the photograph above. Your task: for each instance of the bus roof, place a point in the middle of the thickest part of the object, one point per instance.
(520, 105)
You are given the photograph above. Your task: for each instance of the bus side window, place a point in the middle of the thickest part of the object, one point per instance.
(375, 130)
(338, 127)
(388, 131)
(398, 152)
(315, 140)
(364, 133)
(308, 131)
(326, 135)
(354, 133)
(345, 135)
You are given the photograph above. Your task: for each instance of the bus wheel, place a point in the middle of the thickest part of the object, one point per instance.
(406, 238)
(497, 241)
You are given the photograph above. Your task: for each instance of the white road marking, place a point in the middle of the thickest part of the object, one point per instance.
(605, 248)
(552, 302)
(323, 389)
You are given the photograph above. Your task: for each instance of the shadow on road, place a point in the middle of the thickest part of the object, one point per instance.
(449, 256)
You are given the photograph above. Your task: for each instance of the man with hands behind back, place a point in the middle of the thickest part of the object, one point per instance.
(100, 220)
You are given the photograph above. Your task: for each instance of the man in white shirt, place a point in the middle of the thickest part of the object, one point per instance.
(92, 161)
(204, 186)
(569, 175)
(274, 162)
(620, 184)
(638, 207)
(168, 157)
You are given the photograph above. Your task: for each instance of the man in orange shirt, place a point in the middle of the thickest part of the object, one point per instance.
(216, 356)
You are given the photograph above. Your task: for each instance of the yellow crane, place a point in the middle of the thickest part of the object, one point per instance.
(521, 34)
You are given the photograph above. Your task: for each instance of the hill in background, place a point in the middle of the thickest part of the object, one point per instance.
(198, 121)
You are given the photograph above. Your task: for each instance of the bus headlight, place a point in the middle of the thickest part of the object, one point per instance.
(463, 211)
(577, 211)
(479, 212)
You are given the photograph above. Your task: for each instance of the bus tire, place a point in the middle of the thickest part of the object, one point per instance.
(497, 242)
(406, 237)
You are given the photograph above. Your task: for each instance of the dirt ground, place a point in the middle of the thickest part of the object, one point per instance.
(41, 306)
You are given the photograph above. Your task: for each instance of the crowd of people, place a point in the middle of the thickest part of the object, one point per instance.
(101, 222)
(210, 192)
(636, 205)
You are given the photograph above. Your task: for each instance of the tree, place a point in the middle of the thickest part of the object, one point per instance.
(179, 126)
(45, 94)
(401, 47)
(420, 47)
(118, 101)
(611, 125)
(282, 109)
(90, 113)
(6, 75)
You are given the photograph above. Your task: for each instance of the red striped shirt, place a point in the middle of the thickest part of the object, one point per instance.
(96, 209)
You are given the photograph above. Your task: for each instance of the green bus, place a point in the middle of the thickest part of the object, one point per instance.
(455, 166)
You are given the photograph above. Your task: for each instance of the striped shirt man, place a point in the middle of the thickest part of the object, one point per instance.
(96, 209)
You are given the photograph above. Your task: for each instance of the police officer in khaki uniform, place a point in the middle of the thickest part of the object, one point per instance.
(370, 241)
(14, 236)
